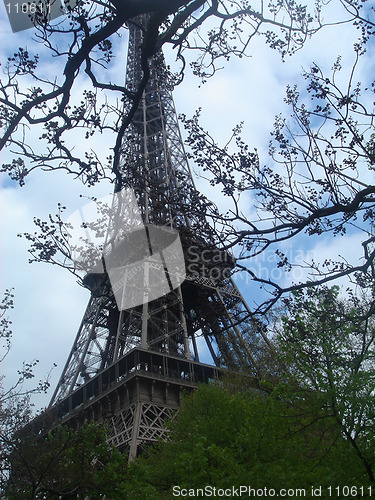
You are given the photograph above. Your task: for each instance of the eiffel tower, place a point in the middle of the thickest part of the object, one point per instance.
(129, 367)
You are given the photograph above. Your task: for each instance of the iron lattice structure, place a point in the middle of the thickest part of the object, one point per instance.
(128, 367)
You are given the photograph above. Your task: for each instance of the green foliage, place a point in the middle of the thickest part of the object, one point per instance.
(315, 427)
(244, 438)
(329, 344)
(66, 464)
(15, 406)
(311, 425)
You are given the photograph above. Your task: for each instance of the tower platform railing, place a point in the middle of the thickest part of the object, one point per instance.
(138, 368)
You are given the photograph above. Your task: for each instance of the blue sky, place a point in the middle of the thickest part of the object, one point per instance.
(49, 305)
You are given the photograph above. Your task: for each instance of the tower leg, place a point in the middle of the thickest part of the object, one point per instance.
(135, 432)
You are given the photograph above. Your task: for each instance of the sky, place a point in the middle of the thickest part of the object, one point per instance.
(49, 304)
